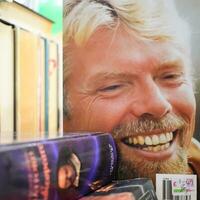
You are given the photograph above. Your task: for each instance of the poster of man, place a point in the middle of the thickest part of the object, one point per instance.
(127, 71)
(68, 173)
(68, 169)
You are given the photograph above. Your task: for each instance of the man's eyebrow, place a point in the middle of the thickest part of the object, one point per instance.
(175, 64)
(101, 76)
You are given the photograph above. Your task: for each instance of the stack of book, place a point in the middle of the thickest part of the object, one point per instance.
(69, 168)
(29, 75)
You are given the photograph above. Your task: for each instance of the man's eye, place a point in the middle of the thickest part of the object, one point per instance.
(110, 88)
(173, 79)
(171, 76)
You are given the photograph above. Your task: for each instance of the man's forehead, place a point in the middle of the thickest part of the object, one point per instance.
(119, 46)
(100, 38)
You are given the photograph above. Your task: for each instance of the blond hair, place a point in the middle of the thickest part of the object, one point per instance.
(154, 19)
(149, 19)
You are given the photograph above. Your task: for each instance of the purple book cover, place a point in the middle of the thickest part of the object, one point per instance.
(64, 168)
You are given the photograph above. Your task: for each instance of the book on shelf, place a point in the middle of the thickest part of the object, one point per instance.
(62, 168)
(23, 76)
(37, 103)
(41, 87)
(52, 89)
(21, 16)
(28, 84)
(6, 83)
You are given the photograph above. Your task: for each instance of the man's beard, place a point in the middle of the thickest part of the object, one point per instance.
(128, 169)
(139, 167)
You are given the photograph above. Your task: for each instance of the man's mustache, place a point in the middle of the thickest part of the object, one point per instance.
(149, 124)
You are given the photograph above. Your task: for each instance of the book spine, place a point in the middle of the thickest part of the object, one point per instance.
(27, 89)
(46, 88)
(35, 171)
(53, 90)
(6, 83)
(41, 87)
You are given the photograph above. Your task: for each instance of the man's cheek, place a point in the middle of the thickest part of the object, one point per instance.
(187, 135)
(184, 105)
(109, 114)
(183, 102)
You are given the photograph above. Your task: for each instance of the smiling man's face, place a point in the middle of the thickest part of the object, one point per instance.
(66, 176)
(140, 91)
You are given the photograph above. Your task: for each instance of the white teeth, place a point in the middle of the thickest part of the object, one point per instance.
(155, 140)
(162, 139)
(156, 148)
(171, 136)
(140, 140)
(168, 137)
(148, 140)
(162, 147)
(130, 140)
(150, 148)
(135, 141)
(167, 145)
(154, 143)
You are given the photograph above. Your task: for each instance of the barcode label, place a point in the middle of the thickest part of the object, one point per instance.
(167, 189)
(167, 192)
(182, 197)
(176, 187)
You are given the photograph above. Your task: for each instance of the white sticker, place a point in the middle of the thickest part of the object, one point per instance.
(176, 186)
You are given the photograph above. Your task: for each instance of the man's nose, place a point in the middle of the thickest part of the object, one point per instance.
(151, 101)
